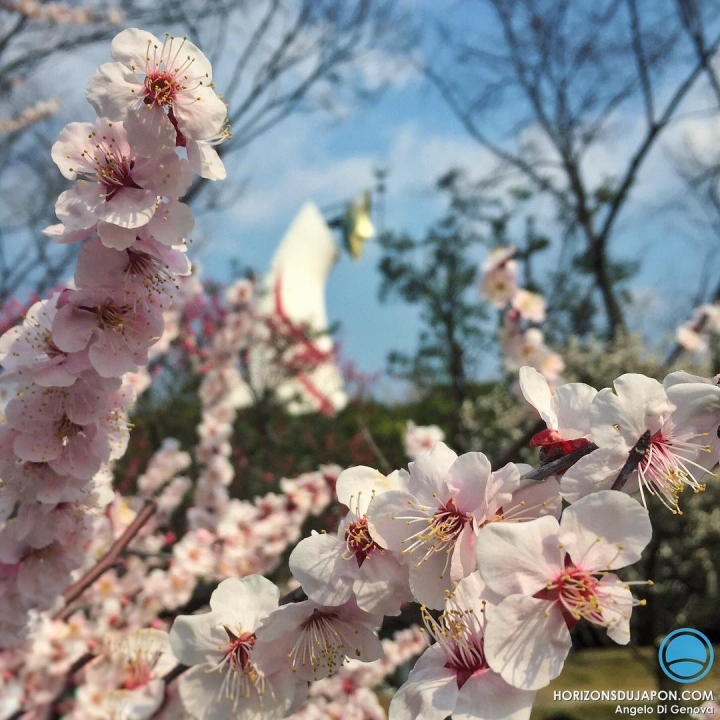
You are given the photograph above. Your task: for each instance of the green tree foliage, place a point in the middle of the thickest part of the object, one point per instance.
(436, 273)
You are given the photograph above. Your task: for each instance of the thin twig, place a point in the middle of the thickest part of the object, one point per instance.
(296, 595)
(631, 464)
(75, 590)
(367, 436)
(559, 465)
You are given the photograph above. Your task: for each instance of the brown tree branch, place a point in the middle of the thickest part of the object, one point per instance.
(74, 591)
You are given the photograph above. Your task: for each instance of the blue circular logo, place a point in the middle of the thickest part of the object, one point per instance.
(686, 655)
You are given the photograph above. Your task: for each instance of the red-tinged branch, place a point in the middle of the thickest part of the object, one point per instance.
(75, 590)
(560, 465)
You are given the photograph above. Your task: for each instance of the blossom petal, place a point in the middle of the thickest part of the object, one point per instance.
(430, 691)
(247, 600)
(115, 237)
(150, 132)
(317, 563)
(202, 116)
(468, 480)
(536, 391)
(205, 161)
(197, 639)
(519, 557)
(527, 641)
(130, 47)
(171, 222)
(112, 90)
(596, 471)
(129, 208)
(428, 472)
(616, 603)
(572, 404)
(486, 696)
(605, 530)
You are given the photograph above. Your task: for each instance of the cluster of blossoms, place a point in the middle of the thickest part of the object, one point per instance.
(66, 419)
(501, 572)
(662, 437)
(521, 345)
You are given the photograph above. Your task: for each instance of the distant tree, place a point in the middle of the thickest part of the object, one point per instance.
(436, 273)
(565, 71)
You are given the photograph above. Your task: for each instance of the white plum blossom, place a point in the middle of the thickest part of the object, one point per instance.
(672, 454)
(551, 575)
(499, 282)
(164, 92)
(527, 347)
(313, 641)
(134, 666)
(698, 407)
(566, 412)
(433, 525)
(226, 679)
(530, 305)
(333, 568)
(453, 677)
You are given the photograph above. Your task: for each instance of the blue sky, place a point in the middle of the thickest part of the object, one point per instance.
(410, 131)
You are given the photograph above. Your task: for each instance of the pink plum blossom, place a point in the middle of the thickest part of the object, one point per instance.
(118, 327)
(333, 568)
(28, 351)
(60, 426)
(146, 267)
(114, 188)
(226, 679)
(164, 92)
(551, 575)
(453, 677)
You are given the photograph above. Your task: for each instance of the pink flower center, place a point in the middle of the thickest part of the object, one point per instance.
(438, 533)
(576, 591)
(358, 541)
(65, 429)
(137, 674)
(447, 522)
(110, 316)
(160, 88)
(663, 471)
(324, 641)
(240, 649)
(459, 633)
(241, 678)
